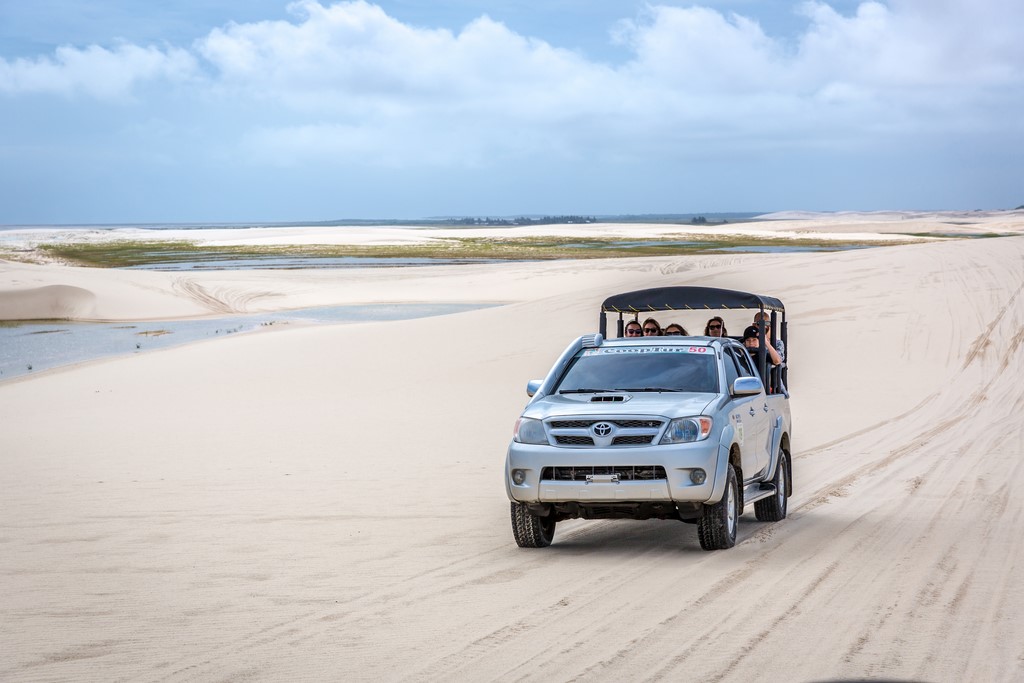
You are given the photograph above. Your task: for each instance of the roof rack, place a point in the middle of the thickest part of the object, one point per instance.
(688, 299)
(700, 299)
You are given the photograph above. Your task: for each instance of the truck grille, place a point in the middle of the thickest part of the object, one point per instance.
(625, 432)
(587, 424)
(636, 440)
(625, 472)
(574, 440)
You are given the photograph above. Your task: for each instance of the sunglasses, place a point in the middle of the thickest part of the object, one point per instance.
(714, 327)
(633, 332)
(652, 330)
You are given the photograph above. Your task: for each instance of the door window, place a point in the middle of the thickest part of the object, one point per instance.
(746, 369)
(731, 369)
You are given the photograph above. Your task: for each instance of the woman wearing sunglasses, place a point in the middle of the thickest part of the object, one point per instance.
(652, 328)
(715, 328)
(634, 329)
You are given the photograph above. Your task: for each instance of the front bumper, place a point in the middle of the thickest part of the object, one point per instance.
(678, 461)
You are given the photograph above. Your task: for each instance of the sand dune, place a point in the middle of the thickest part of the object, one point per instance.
(49, 301)
(326, 503)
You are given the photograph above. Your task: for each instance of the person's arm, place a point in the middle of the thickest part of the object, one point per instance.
(781, 348)
(773, 354)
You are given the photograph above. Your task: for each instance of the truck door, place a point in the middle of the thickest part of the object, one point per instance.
(746, 416)
(761, 417)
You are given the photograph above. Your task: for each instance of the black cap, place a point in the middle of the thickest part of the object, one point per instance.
(750, 333)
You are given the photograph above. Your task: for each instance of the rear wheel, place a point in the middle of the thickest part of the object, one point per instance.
(773, 509)
(529, 530)
(717, 526)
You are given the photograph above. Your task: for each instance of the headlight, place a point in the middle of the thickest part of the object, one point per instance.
(687, 430)
(529, 430)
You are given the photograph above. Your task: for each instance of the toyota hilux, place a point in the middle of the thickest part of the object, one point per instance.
(670, 427)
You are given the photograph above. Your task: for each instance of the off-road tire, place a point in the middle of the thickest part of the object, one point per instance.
(717, 526)
(773, 508)
(529, 530)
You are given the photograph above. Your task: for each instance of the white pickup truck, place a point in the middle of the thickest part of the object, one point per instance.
(667, 427)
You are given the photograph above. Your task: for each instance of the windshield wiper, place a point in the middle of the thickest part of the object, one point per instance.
(585, 391)
(651, 389)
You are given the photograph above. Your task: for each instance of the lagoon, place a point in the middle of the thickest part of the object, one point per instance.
(31, 347)
(216, 261)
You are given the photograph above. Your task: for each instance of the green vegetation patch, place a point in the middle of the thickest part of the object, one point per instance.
(36, 321)
(624, 247)
(960, 235)
(123, 254)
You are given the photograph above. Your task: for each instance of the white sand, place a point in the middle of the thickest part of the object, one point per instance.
(326, 503)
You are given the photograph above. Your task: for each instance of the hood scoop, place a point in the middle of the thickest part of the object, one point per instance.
(609, 398)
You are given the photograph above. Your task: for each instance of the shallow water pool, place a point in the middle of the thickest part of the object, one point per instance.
(28, 347)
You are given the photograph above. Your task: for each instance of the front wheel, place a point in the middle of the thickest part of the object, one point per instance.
(529, 530)
(773, 509)
(717, 526)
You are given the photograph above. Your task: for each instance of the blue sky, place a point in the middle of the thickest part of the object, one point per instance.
(217, 111)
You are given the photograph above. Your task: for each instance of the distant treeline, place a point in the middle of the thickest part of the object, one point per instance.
(482, 221)
(522, 220)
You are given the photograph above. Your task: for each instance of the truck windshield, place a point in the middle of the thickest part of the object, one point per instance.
(647, 368)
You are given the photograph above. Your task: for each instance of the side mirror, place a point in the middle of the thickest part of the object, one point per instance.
(747, 386)
(533, 386)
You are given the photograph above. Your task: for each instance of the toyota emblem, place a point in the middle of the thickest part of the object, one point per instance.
(602, 429)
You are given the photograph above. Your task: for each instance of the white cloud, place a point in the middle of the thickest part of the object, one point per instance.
(911, 45)
(347, 81)
(699, 50)
(95, 71)
(352, 55)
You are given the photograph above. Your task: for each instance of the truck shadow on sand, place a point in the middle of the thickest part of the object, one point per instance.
(671, 538)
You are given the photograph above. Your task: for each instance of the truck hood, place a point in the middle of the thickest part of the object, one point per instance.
(668, 405)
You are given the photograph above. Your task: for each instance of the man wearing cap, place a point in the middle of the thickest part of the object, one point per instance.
(753, 344)
(750, 340)
(763, 318)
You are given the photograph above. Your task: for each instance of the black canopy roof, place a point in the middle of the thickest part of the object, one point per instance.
(687, 299)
